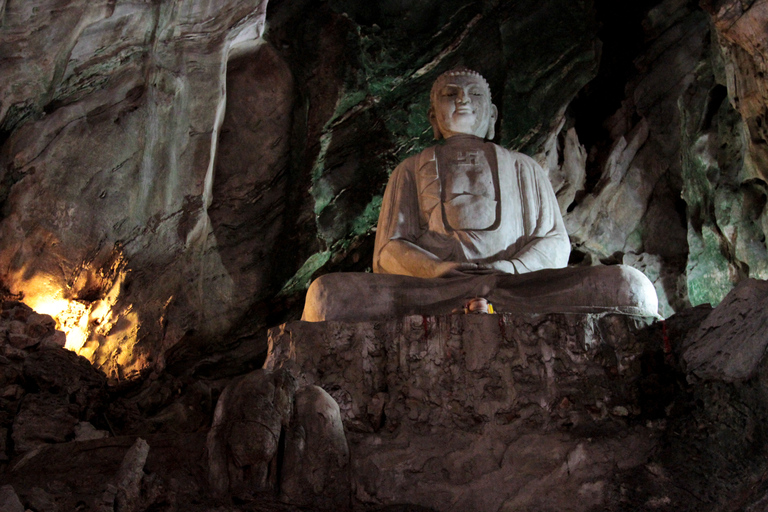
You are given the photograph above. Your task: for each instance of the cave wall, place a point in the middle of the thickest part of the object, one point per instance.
(724, 160)
(108, 119)
(170, 180)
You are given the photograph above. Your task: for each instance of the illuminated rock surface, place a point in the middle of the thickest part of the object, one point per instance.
(108, 166)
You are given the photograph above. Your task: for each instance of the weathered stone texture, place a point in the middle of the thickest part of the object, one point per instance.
(315, 468)
(741, 32)
(724, 185)
(163, 472)
(247, 427)
(469, 369)
(9, 501)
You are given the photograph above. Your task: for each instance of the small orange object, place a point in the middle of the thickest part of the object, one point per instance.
(478, 305)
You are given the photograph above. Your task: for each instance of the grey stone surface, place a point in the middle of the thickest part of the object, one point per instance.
(472, 368)
(43, 418)
(41, 500)
(128, 478)
(84, 431)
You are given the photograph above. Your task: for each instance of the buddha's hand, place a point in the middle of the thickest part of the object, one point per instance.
(499, 267)
(454, 268)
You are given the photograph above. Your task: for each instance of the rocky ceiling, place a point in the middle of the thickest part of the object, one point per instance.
(173, 174)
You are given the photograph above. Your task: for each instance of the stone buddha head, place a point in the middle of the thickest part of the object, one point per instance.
(460, 103)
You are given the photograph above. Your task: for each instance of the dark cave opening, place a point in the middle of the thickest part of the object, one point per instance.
(623, 36)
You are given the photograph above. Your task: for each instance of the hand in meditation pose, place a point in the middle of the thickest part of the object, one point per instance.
(470, 220)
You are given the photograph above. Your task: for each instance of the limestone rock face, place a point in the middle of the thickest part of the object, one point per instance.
(109, 114)
(741, 37)
(627, 207)
(724, 158)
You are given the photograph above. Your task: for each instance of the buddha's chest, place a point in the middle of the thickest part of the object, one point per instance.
(469, 187)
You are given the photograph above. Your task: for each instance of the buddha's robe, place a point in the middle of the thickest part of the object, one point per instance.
(488, 204)
(475, 202)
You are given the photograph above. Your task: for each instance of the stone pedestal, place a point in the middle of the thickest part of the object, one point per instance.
(478, 412)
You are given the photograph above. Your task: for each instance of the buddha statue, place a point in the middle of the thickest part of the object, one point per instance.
(467, 223)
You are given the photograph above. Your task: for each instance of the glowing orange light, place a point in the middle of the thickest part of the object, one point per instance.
(71, 317)
(79, 320)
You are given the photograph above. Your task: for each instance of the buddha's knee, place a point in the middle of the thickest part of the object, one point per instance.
(633, 288)
(325, 296)
(316, 302)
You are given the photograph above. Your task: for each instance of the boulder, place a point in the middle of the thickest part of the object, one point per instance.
(45, 390)
(730, 345)
(315, 469)
(248, 425)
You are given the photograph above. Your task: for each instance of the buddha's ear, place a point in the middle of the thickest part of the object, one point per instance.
(433, 121)
(492, 123)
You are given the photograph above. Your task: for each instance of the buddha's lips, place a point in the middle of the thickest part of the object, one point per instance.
(464, 111)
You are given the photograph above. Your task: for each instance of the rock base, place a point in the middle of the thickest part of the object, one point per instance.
(478, 412)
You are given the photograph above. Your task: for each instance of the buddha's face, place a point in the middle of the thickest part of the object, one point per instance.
(461, 104)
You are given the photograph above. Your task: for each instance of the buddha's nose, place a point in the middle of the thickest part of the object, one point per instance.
(462, 98)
